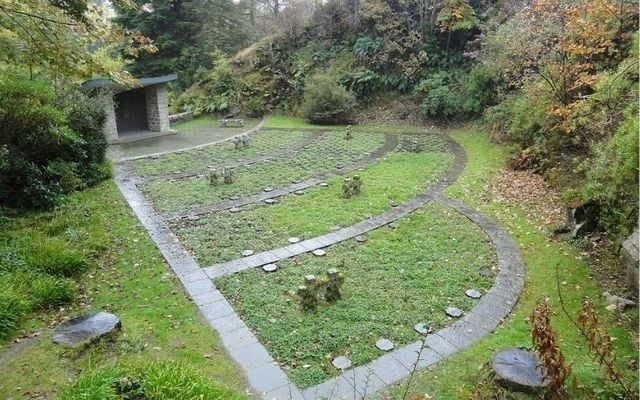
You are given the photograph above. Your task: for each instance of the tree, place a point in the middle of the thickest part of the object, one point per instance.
(65, 38)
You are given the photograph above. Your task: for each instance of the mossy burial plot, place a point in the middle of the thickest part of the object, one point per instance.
(263, 142)
(396, 279)
(395, 179)
(319, 157)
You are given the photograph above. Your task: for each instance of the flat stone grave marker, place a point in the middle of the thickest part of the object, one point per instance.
(299, 192)
(270, 268)
(85, 328)
(341, 363)
(246, 253)
(385, 344)
(422, 328)
(234, 198)
(234, 209)
(323, 184)
(393, 225)
(453, 312)
(519, 369)
(319, 252)
(294, 240)
(474, 294)
(361, 238)
(270, 201)
(394, 204)
(268, 189)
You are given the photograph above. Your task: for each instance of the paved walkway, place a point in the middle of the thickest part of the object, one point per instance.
(262, 372)
(187, 139)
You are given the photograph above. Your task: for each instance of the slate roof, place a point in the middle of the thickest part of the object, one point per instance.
(143, 82)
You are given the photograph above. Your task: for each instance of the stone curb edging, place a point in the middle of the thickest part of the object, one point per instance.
(391, 142)
(307, 140)
(263, 373)
(161, 153)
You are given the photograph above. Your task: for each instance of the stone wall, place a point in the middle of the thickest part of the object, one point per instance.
(630, 254)
(110, 127)
(157, 107)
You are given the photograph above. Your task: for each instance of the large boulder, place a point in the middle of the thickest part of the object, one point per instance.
(520, 370)
(85, 328)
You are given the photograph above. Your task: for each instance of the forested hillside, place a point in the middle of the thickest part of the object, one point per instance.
(557, 79)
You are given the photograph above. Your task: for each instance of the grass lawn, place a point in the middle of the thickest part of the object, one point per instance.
(126, 276)
(287, 122)
(321, 156)
(218, 155)
(396, 279)
(397, 178)
(455, 377)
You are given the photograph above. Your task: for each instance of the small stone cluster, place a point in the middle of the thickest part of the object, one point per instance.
(351, 187)
(241, 142)
(311, 290)
(226, 174)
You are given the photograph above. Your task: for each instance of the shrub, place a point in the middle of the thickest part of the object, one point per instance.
(255, 107)
(612, 178)
(41, 156)
(479, 91)
(442, 98)
(177, 381)
(327, 102)
(55, 257)
(12, 309)
(48, 291)
(157, 381)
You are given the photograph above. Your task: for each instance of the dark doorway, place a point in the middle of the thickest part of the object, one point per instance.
(131, 111)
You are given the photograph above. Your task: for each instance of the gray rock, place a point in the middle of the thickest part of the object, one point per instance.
(323, 184)
(299, 192)
(270, 201)
(234, 209)
(474, 294)
(234, 198)
(341, 363)
(270, 268)
(453, 312)
(246, 253)
(394, 204)
(268, 189)
(486, 273)
(385, 344)
(335, 228)
(85, 328)
(361, 238)
(393, 225)
(519, 369)
(193, 217)
(319, 252)
(422, 328)
(294, 240)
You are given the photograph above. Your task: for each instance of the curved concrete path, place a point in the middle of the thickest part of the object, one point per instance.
(263, 374)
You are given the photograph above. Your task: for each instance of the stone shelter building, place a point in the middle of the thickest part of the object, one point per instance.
(137, 112)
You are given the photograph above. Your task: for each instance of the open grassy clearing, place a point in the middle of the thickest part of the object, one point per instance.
(126, 275)
(262, 142)
(394, 280)
(320, 157)
(397, 178)
(455, 377)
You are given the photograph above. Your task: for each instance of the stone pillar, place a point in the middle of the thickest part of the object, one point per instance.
(631, 255)
(110, 128)
(157, 107)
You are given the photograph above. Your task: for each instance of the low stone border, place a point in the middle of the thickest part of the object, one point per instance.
(200, 146)
(391, 142)
(314, 136)
(180, 117)
(263, 373)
